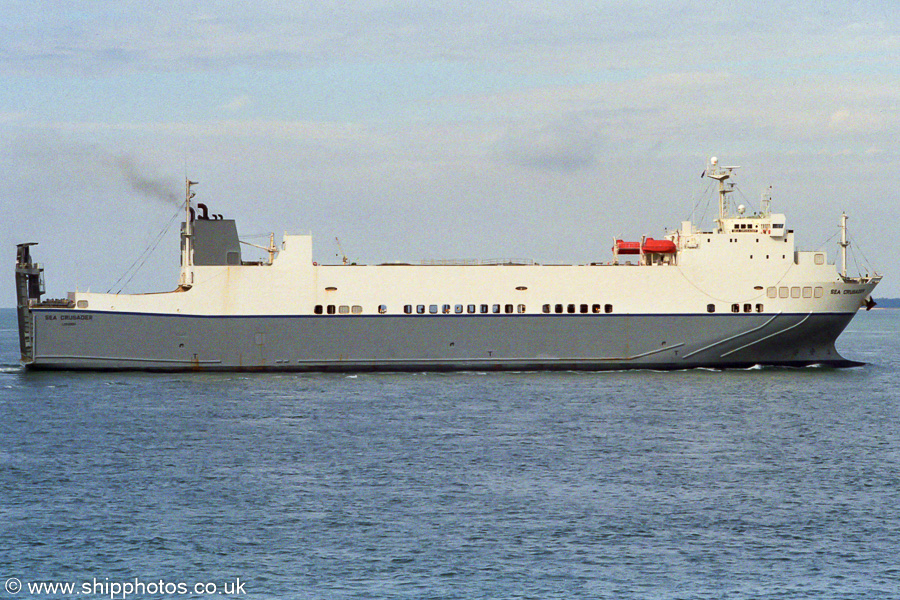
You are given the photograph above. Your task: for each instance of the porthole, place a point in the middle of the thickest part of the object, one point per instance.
(521, 288)
(331, 288)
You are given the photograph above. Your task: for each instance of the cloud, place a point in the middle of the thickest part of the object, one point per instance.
(237, 104)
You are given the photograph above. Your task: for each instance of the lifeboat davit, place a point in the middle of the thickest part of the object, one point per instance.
(659, 246)
(627, 247)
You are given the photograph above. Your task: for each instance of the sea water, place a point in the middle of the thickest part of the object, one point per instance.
(759, 483)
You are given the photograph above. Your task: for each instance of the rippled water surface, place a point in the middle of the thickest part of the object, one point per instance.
(765, 483)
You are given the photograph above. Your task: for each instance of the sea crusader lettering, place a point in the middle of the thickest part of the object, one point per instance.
(69, 317)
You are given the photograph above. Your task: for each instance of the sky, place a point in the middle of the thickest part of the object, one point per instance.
(437, 129)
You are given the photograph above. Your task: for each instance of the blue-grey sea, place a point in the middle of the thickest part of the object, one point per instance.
(760, 483)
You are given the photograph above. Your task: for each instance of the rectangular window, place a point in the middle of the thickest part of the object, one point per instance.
(595, 308)
(783, 292)
(759, 308)
(458, 308)
(344, 309)
(432, 308)
(710, 308)
(495, 309)
(508, 309)
(471, 309)
(607, 308)
(807, 292)
(735, 308)
(445, 309)
(484, 308)
(818, 292)
(382, 308)
(558, 308)
(570, 308)
(407, 309)
(521, 308)
(748, 308)
(330, 309)
(420, 309)
(820, 259)
(584, 308)
(545, 308)
(356, 309)
(772, 292)
(317, 309)
(795, 292)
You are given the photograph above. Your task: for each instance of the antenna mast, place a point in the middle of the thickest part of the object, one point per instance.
(187, 275)
(714, 171)
(843, 244)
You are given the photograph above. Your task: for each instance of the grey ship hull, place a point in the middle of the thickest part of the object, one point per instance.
(66, 339)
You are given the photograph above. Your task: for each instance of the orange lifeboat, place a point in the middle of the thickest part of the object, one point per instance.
(627, 247)
(659, 246)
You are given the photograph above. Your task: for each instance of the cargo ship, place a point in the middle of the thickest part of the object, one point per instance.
(733, 295)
